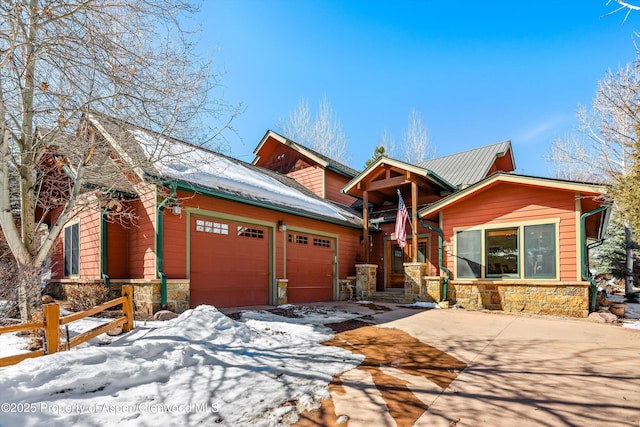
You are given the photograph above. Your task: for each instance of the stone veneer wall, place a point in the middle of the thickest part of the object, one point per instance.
(551, 298)
(414, 289)
(569, 299)
(146, 293)
(365, 280)
(346, 288)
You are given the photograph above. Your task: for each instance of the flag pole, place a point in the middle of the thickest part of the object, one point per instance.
(410, 222)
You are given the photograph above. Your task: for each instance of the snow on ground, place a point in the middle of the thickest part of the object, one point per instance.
(11, 344)
(420, 304)
(200, 368)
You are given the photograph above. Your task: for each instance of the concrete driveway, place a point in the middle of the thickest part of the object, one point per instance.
(520, 371)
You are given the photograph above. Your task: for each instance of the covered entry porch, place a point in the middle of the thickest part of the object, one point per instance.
(390, 267)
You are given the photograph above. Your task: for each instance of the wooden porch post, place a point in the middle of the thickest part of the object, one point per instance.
(365, 230)
(414, 220)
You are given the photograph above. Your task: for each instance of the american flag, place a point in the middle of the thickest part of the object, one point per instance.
(401, 217)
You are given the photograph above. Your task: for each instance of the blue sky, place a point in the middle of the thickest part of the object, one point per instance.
(479, 72)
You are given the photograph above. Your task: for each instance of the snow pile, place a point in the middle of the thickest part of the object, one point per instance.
(201, 368)
(187, 163)
(420, 304)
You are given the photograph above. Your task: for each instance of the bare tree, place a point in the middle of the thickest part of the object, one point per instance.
(323, 134)
(624, 6)
(567, 160)
(606, 148)
(417, 146)
(132, 60)
(388, 142)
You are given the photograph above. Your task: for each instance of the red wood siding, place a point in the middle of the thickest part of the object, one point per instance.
(57, 253)
(508, 203)
(89, 243)
(282, 158)
(335, 182)
(142, 254)
(504, 164)
(117, 251)
(311, 177)
(88, 219)
(175, 244)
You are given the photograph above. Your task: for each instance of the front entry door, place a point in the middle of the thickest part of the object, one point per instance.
(396, 257)
(396, 268)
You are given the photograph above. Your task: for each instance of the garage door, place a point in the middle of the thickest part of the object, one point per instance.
(229, 263)
(310, 266)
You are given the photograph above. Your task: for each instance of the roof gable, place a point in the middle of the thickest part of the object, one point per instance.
(267, 147)
(386, 174)
(468, 167)
(99, 168)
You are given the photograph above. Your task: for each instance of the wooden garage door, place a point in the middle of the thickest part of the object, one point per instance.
(310, 266)
(229, 263)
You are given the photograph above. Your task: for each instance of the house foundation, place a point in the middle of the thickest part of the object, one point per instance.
(569, 299)
(146, 292)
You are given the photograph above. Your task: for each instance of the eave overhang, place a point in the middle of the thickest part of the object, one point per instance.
(207, 191)
(498, 178)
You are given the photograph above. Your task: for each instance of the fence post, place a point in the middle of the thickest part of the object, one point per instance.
(127, 307)
(51, 317)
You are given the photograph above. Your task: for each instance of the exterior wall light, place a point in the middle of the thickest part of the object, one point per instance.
(282, 226)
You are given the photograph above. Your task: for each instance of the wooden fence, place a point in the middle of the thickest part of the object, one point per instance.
(52, 322)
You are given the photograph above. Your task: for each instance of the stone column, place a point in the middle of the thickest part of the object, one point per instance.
(413, 274)
(365, 280)
(433, 288)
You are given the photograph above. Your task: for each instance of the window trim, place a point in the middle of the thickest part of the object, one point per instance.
(456, 257)
(483, 228)
(518, 273)
(64, 250)
(556, 250)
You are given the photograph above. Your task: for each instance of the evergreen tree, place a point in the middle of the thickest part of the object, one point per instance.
(610, 257)
(378, 152)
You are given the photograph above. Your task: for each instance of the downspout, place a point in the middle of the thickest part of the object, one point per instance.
(159, 245)
(586, 274)
(104, 250)
(445, 281)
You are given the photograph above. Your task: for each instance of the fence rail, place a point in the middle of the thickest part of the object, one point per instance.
(52, 322)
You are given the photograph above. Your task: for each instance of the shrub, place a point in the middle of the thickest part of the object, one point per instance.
(84, 297)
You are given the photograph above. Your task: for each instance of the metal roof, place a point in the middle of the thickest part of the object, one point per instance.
(467, 167)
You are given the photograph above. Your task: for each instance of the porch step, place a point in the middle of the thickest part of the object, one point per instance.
(390, 296)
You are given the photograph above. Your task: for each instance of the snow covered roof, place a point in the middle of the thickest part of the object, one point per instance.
(162, 157)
